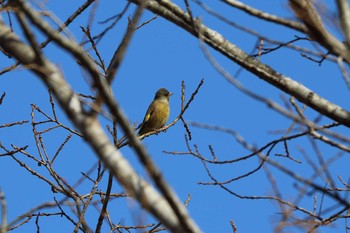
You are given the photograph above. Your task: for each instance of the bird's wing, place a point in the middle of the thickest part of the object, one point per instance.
(149, 113)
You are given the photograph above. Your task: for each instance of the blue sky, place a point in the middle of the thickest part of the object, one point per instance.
(162, 55)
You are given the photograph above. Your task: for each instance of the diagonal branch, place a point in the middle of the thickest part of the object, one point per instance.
(306, 12)
(265, 16)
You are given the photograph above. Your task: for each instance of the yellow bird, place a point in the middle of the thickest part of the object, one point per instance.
(157, 113)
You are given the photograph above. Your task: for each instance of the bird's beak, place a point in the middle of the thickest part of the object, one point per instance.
(170, 93)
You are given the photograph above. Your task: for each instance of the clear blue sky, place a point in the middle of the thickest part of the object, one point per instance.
(162, 55)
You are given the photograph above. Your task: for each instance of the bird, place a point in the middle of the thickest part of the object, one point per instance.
(157, 113)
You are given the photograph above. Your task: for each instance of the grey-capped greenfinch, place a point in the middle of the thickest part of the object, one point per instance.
(157, 113)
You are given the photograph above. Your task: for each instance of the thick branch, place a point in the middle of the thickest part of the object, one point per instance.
(265, 16)
(306, 12)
